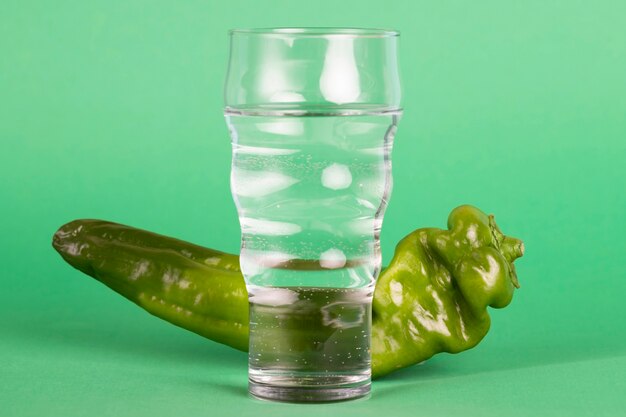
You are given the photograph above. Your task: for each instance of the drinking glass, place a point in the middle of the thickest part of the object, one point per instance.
(312, 114)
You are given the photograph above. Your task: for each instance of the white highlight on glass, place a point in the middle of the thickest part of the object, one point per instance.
(366, 203)
(364, 226)
(286, 97)
(255, 262)
(339, 82)
(259, 150)
(332, 259)
(272, 76)
(268, 227)
(275, 79)
(260, 183)
(275, 297)
(272, 258)
(282, 127)
(336, 177)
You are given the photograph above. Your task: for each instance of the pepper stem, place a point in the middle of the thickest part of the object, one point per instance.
(510, 247)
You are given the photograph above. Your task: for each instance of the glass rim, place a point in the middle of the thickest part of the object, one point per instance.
(316, 32)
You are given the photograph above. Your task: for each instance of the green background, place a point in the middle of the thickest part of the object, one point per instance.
(113, 110)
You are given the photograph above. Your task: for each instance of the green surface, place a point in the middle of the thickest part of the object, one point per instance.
(113, 110)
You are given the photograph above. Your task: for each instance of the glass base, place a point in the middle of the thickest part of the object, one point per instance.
(297, 392)
(314, 348)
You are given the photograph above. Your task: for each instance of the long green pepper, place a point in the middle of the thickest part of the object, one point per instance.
(432, 298)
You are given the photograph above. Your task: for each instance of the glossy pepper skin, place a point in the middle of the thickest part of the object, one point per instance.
(432, 298)
(434, 295)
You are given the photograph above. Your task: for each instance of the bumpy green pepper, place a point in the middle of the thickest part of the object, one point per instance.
(432, 298)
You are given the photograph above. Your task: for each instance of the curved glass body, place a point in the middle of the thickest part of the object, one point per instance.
(312, 114)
